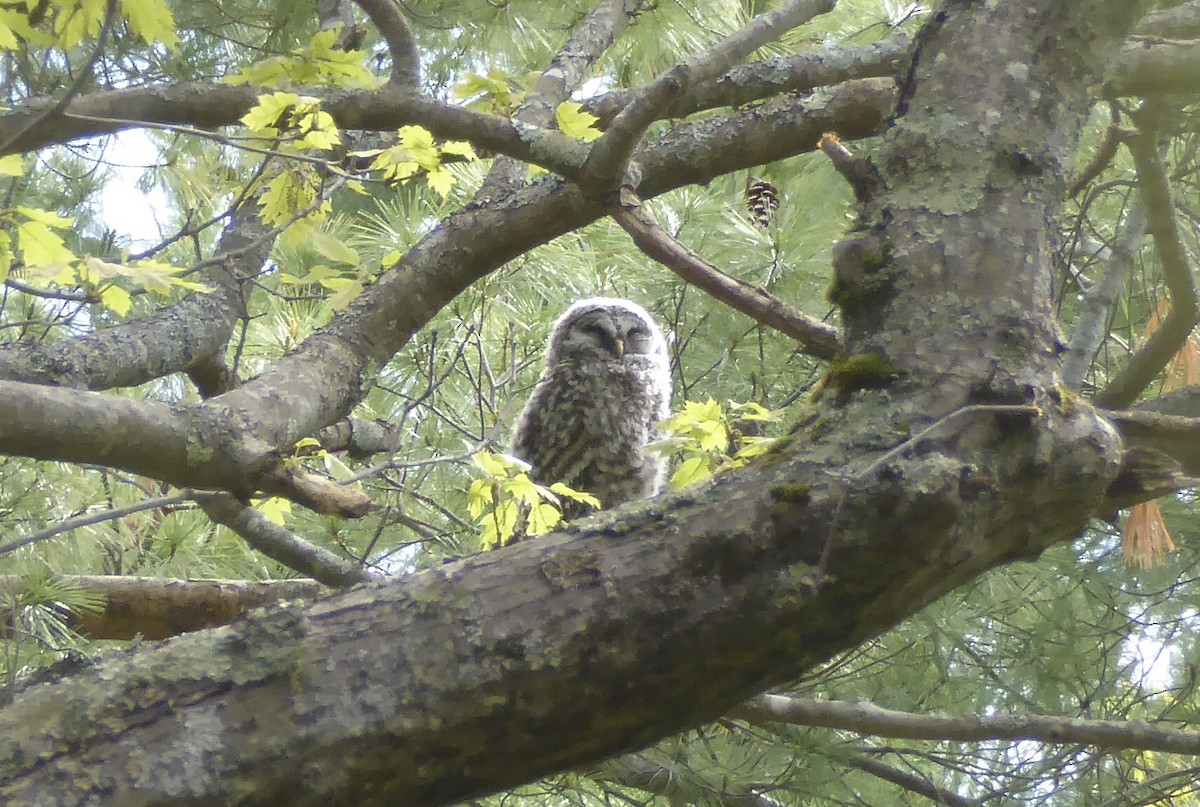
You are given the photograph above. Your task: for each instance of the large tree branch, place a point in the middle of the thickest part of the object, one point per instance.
(751, 82)
(562, 77)
(390, 22)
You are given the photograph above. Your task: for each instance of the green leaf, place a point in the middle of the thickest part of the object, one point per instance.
(270, 109)
(755, 447)
(479, 497)
(45, 217)
(440, 180)
(543, 518)
(336, 468)
(79, 20)
(276, 509)
(574, 122)
(345, 290)
(116, 299)
(575, 495)
(523, 489)
(41, 246)
(460, 148)
(690, 472)
(754, 412)
(491, 464)
(14, 164)
(6, 255)
(151, 20)
(333, 248)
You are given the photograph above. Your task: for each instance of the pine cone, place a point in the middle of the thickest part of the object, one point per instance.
(762, 199)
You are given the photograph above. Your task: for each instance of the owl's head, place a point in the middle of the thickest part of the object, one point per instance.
(608, 330)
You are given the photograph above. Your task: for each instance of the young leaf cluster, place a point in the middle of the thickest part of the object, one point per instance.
(709, 437)
(506, 503)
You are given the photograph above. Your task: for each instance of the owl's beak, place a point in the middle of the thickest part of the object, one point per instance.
(619, 347)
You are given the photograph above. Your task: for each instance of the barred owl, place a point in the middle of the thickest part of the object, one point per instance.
(605, 386)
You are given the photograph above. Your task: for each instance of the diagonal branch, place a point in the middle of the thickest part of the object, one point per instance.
(1100, 299)
(134, 352)
(282, 545)
(396, 33)
(757, 80)
(868, 719)
(1145, 365)
(907, 780)
(611, 153)
(563, 76)
(818, 338)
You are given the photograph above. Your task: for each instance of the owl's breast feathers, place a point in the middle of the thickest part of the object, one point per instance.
(587, 426)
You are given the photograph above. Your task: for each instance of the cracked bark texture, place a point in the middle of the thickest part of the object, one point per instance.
(640, 622)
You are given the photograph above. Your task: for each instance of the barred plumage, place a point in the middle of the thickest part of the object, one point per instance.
(606, 384)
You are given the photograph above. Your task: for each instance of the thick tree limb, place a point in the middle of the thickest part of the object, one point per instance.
(1180, 22)
(561, 650)
(818, 338)
(869, 720)
(1157, 67)
(155, 608)
(186, 446)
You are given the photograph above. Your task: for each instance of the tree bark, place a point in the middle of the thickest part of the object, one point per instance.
(942, 447)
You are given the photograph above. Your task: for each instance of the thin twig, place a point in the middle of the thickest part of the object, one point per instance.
(100, 516)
